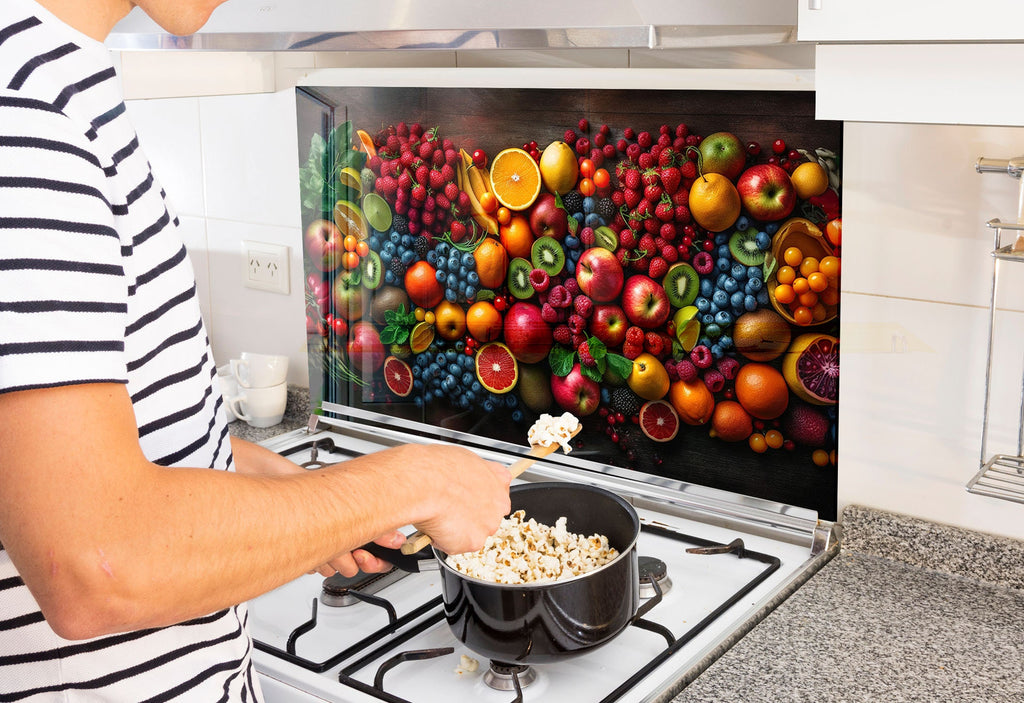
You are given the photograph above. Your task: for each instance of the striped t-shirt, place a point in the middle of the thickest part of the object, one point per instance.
(96, 286)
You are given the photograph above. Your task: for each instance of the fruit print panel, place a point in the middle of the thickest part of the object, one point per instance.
(663, 264)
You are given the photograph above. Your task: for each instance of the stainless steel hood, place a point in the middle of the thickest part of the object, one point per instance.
(346, 25)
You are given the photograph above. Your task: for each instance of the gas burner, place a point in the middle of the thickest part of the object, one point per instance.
(502, 677)
(340, 591)
(653, 568)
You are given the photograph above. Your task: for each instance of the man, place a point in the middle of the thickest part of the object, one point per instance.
(124, 555)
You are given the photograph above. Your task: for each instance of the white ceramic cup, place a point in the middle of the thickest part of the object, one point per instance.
(260, 407)
(228, 387)
(259, 370)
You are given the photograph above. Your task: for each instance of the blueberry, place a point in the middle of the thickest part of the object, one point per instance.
(739, 272)
(454, 260)
(771, 228)
(755, 272)
(763, 240)
(716, 351)
(702, 303)
(570, 267)
(606, 395)
(724, 318)
(517, 415)
(593, 220)
(476, 387)
(389, 247)
(473, 278)
(720, 298)
(707, 288)
(704, 341)
(571, 242)
(742, 223)
(470, 293)
(395, 238)
(431, 257)
(720, 281)
(418, 401)
(578, 216)
(723, 252)
(417, 384)
(712, 329)
(408, 256)
(714, 308)
(707, 319)
(731, 285)
(467, 378)
(389, 278)
(762, 296)
(407, 240)
(726, 341)
(723, 265)
(737, 300)
(438, 393)
(441, 275)
(462, 286)
(488, 406)
(754, 285)
(721, 238)
(749, 303)
(468, 261)
(589, 205)
(451, 296)
(511, 400)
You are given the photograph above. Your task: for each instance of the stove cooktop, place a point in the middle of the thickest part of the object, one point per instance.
(390, 641)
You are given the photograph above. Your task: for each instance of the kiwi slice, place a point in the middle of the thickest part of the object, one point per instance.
(744, 249)
(681, 284)
(605, 237)
(547, 255)
(518, 280)
(372, 270)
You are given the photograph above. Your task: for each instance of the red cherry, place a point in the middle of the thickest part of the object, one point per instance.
(480, 158)
(794, 155)
(778, 146)
(753, 148)
(773, 160)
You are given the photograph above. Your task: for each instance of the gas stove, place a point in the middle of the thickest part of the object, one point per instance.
(712, 565)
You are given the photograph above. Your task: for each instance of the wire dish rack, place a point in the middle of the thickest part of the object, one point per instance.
(1001, 475)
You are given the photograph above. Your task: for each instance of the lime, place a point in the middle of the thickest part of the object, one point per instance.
(687, 327)
(377, 212)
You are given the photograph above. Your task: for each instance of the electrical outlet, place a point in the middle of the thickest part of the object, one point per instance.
(265, 266)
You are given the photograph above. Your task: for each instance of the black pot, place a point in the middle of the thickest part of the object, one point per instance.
(543, 622)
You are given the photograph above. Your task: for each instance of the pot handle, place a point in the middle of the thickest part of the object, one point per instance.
(414, 563)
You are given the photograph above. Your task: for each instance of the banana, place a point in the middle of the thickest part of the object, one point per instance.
(486, 221)
(479, 181)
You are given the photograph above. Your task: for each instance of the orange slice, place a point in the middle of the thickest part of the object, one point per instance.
(349, 219)
(515, 179)
(366, 143)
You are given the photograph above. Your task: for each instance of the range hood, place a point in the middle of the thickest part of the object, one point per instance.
(346, 25)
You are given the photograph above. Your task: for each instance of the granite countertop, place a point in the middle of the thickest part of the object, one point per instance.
(296, 415)
(909, 610)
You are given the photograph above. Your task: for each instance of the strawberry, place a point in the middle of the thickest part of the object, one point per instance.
(387, 186)
(671, 178)
(374, 163)
(435, 180)
(667, 157)
(451, 191)
(458, 231)
(407, 159)
(646, 244)
(640, 265)
(651, 225)
(633, 152)
(665, 211)
(402, 129)
(681, 197)
(451, 157)
(667, 232)
(688, 170)
(632, 179)
(405, 181)
(419, 193)
(645, 161)
(653, 193)
(441, 201)
(429, 203)
(664, 141)
(657, 268)
(425, 150)
(682, 215)
(627, 239)
(622, 254)
(669, 254)
(422, 175)
(618, 198)
(437, 158)
(632, 197)
(393, 144)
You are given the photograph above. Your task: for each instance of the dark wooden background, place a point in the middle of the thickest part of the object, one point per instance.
(497, 118)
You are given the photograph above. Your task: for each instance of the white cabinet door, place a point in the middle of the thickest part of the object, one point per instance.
(910, 20)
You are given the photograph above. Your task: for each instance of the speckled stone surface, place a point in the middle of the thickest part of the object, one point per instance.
(869, 627)
(296, 414)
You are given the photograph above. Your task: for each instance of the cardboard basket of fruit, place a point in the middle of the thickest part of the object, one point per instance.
(803, 283)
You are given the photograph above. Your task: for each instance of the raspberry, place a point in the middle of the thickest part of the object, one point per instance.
(609, 151)
(693, 140)
(632, 351)
(600, 139)
(671, 370)
(669, 254)
(583, 146)
(597, 156)
(633, 152)
(634, 335)
(701, 356)
(584, 125)
(562, 334)
(540, 280)
(728, 367)
(548, 314)
(686, 370)
(559, 297)
(714, 380)
(654, 343)
(569, 137)
(645, 140)
(646, 243)
(584, 306)
(627, 239)
(688, 170)
(572, 286)
(577, 324)
(587, 237)
(703, 263)
(645, 161)
(578, 338)
(585, 357)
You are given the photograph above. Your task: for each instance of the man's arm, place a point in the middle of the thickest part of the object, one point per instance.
(107, 541)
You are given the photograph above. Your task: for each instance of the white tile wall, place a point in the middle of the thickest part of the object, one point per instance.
(916, 276)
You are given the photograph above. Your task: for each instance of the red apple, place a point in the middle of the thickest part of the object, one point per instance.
(722, 152)
(766, 192)
(576, 393)
(547, 219)
(347, 298)
(645, 302)
(324, 245)
(599, 274)
(527, 335)
(608, 323)
(365, 350)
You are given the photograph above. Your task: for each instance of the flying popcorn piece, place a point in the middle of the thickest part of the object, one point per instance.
(549, 430)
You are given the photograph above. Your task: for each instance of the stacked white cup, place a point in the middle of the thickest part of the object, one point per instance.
(262, 392)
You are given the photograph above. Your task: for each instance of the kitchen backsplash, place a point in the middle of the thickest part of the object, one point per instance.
(916, 284)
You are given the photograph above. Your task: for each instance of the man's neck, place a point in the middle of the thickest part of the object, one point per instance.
(94, 18)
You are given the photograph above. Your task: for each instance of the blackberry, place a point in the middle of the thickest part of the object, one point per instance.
(606, 209)
(422, 245)
(400, 223)
(625, 401)
(397, 267)
(573, 202)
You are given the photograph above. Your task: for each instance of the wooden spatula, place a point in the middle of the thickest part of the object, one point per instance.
(418, 540)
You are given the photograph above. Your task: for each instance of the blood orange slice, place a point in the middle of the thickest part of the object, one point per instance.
(496, 368)
(658, 420)
(398, 376)
(811, 368)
